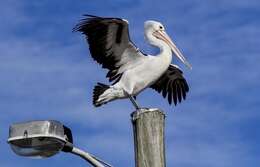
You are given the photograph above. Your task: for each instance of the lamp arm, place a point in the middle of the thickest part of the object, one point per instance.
(86, 156)
(94, 161)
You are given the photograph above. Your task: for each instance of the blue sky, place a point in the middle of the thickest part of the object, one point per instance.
(46, 73)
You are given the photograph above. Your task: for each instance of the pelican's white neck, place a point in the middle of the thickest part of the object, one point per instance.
(155, 34)
(165, 50)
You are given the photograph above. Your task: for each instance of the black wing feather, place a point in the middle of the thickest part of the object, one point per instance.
(179, 90)
(107, 38)
(173, 84)
(183, 91)
(175, 94)
(170, 88)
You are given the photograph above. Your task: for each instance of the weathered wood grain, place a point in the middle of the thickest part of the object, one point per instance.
(148, 128)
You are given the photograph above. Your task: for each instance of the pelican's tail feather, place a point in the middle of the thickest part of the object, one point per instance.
(99, 89)
(103, 94)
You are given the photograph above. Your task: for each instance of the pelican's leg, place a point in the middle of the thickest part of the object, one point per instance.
(134, 102)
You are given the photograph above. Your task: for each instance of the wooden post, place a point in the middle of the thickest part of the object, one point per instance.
(148, 127)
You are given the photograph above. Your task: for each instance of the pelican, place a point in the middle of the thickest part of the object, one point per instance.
(130, 70)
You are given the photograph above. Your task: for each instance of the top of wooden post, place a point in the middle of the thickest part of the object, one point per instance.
(136, 114)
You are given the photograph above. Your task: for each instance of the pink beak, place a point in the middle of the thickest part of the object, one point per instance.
(163, 36)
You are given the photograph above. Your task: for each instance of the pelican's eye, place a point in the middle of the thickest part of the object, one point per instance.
(161, 27)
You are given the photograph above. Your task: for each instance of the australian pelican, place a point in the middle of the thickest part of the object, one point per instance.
(130, 70)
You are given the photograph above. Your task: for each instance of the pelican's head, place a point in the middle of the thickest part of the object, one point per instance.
(155, 34)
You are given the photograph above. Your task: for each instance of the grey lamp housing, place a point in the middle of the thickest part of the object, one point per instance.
(39, 138)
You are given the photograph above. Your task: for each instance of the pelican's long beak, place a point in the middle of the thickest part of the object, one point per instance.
(163, 36)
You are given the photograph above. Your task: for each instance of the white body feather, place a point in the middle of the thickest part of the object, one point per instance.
(139, 74)
(144, 73)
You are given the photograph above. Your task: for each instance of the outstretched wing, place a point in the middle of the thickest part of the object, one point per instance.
(109, 43)
(173, 84)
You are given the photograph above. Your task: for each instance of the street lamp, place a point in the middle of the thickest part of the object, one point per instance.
(42, 139)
